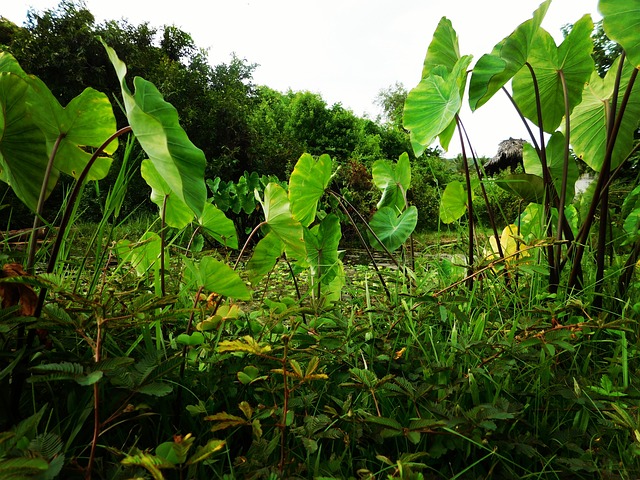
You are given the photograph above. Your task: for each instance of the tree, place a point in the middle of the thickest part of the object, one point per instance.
(391, 101)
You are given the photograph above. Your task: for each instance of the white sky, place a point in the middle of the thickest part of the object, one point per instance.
(346, 50)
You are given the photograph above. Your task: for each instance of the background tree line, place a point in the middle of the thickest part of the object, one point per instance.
(240, 126)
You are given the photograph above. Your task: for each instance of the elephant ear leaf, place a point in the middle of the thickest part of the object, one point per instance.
(77, 129)
(393, 180)
(393, 229)
(307, 184)
(176, 213)
(23, 146)
(155, 124)
(568, 65)
(588, 119)
(495, 69)
(620, 23)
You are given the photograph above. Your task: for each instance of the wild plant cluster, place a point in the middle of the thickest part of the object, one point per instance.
(193, 346)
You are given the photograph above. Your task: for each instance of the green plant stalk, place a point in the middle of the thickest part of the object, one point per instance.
(177, 406)
(163, 235)
(565, 174)
(246, 243)
(340, 199)
(96, 401)
(467, 177)
(41, 199)
(492, 219)
(554, 278)
(285, 406)
(580, 241)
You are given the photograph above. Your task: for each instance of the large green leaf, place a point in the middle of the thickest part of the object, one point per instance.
(322, 248)
(453, 203)
(620, 22)
(307, 184)
(280, 221)
(80, 127)
(394, 180)
(432, 105)
(555, 162)
(527, 186)
(84, 124)
(588, 120)
(155, 124)
(23, 146)
(494, 70)
(143, 255)
(443, 49)
(571, 61)
(216, 224)
(393, 229)
(265, 255)
(217, 277)
(177, 214)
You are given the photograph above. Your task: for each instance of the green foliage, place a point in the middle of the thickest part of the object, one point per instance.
(287, 365)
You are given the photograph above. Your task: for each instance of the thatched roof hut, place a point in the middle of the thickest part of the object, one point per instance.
(509, 155)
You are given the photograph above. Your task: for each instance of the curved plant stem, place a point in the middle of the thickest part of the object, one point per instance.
(96, 400)
(69, 210)
(549, 188)
(41, 199)
(340, 199)
(565, 173)
(246, 243)
(601, 182)
(163, 236)
(177, 406)
(492, 219)
(467, 177)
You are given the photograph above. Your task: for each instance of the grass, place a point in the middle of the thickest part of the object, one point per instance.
(500, 381)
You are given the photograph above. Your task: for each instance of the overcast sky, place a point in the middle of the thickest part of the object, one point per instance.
(346, 50)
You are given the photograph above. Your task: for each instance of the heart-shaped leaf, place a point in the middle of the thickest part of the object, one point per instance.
(265, 255)
(155, 125)
(589, 119)
(216, 224)
(322, 248)
(528, 187)
(23, 146)
(280, 221)
(620, 22)
(392, 229)
(453, 203)
(217, 277)
(307, 184)
(177, 213)
(431, 107)
(571, 64)
(494, 70)
(144, 255)
(394, 180)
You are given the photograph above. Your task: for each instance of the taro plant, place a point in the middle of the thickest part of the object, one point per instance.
(39, 140)
(566, 106)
